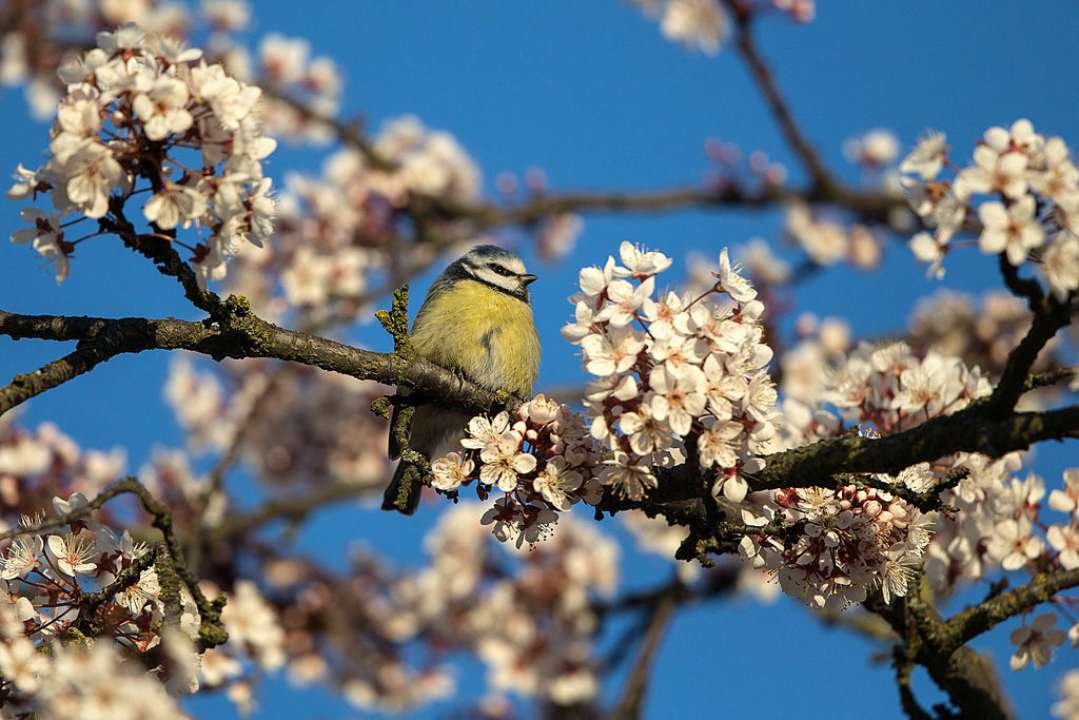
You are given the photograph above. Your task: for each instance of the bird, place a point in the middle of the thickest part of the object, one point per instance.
(476, 320)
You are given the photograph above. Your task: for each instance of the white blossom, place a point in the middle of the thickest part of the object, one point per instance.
(697, 24)
(74, 554)
(928, 156)
(1012, 230)
(1035, 642)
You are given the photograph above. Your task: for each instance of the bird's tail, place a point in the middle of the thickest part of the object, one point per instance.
(403, 493)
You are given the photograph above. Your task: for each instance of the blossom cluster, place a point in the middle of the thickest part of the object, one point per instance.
(544, 463)
(845, 542)
(533, 625)
(96, 680)
(997, 519)
(892, 389)
(51, 563)
(46, 573)
(528, 615)
(1030, 186)
(257, 643)
(50, 571)
(140, 106)
(981, 331)
(45, 582)
(28, 55)
(288, 424)
(671, 368)
(37, 45)
(850, 541)
(828, 242)
(888, 389)
(1001, 524)
(336, 232)
(37, 463)
(285, 66)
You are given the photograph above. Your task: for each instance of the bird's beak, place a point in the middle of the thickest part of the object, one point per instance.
(527, 279)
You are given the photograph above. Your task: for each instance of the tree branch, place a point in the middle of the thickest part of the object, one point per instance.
(743, 16)
(907, 701)
(970, 623)
(292, 509)
(966, 676)
(87, 622)
(23, 387)
(969, 430)
(161, 252)
(240, 334)
(631, 703)
(211, 632)
(1050, 315)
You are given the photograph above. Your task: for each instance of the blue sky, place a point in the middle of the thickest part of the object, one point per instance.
(592, 93)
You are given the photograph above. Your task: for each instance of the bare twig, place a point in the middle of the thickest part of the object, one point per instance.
(633, 693)
(777, 103)
(1049, 378)
(291, 509)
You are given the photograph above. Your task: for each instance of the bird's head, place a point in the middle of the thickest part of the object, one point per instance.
(496, 267)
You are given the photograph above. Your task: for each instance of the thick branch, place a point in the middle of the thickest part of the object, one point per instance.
(239, 334)
(970, 430)
(967, 677)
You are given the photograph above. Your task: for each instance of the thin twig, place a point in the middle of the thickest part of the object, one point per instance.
(633, 693)
(777, 103)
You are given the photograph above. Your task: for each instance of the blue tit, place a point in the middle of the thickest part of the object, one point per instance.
(477, 321)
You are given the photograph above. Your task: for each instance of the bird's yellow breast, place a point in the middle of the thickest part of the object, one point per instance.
(486, 335)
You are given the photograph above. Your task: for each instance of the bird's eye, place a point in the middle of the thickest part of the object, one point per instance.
(499, 270)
